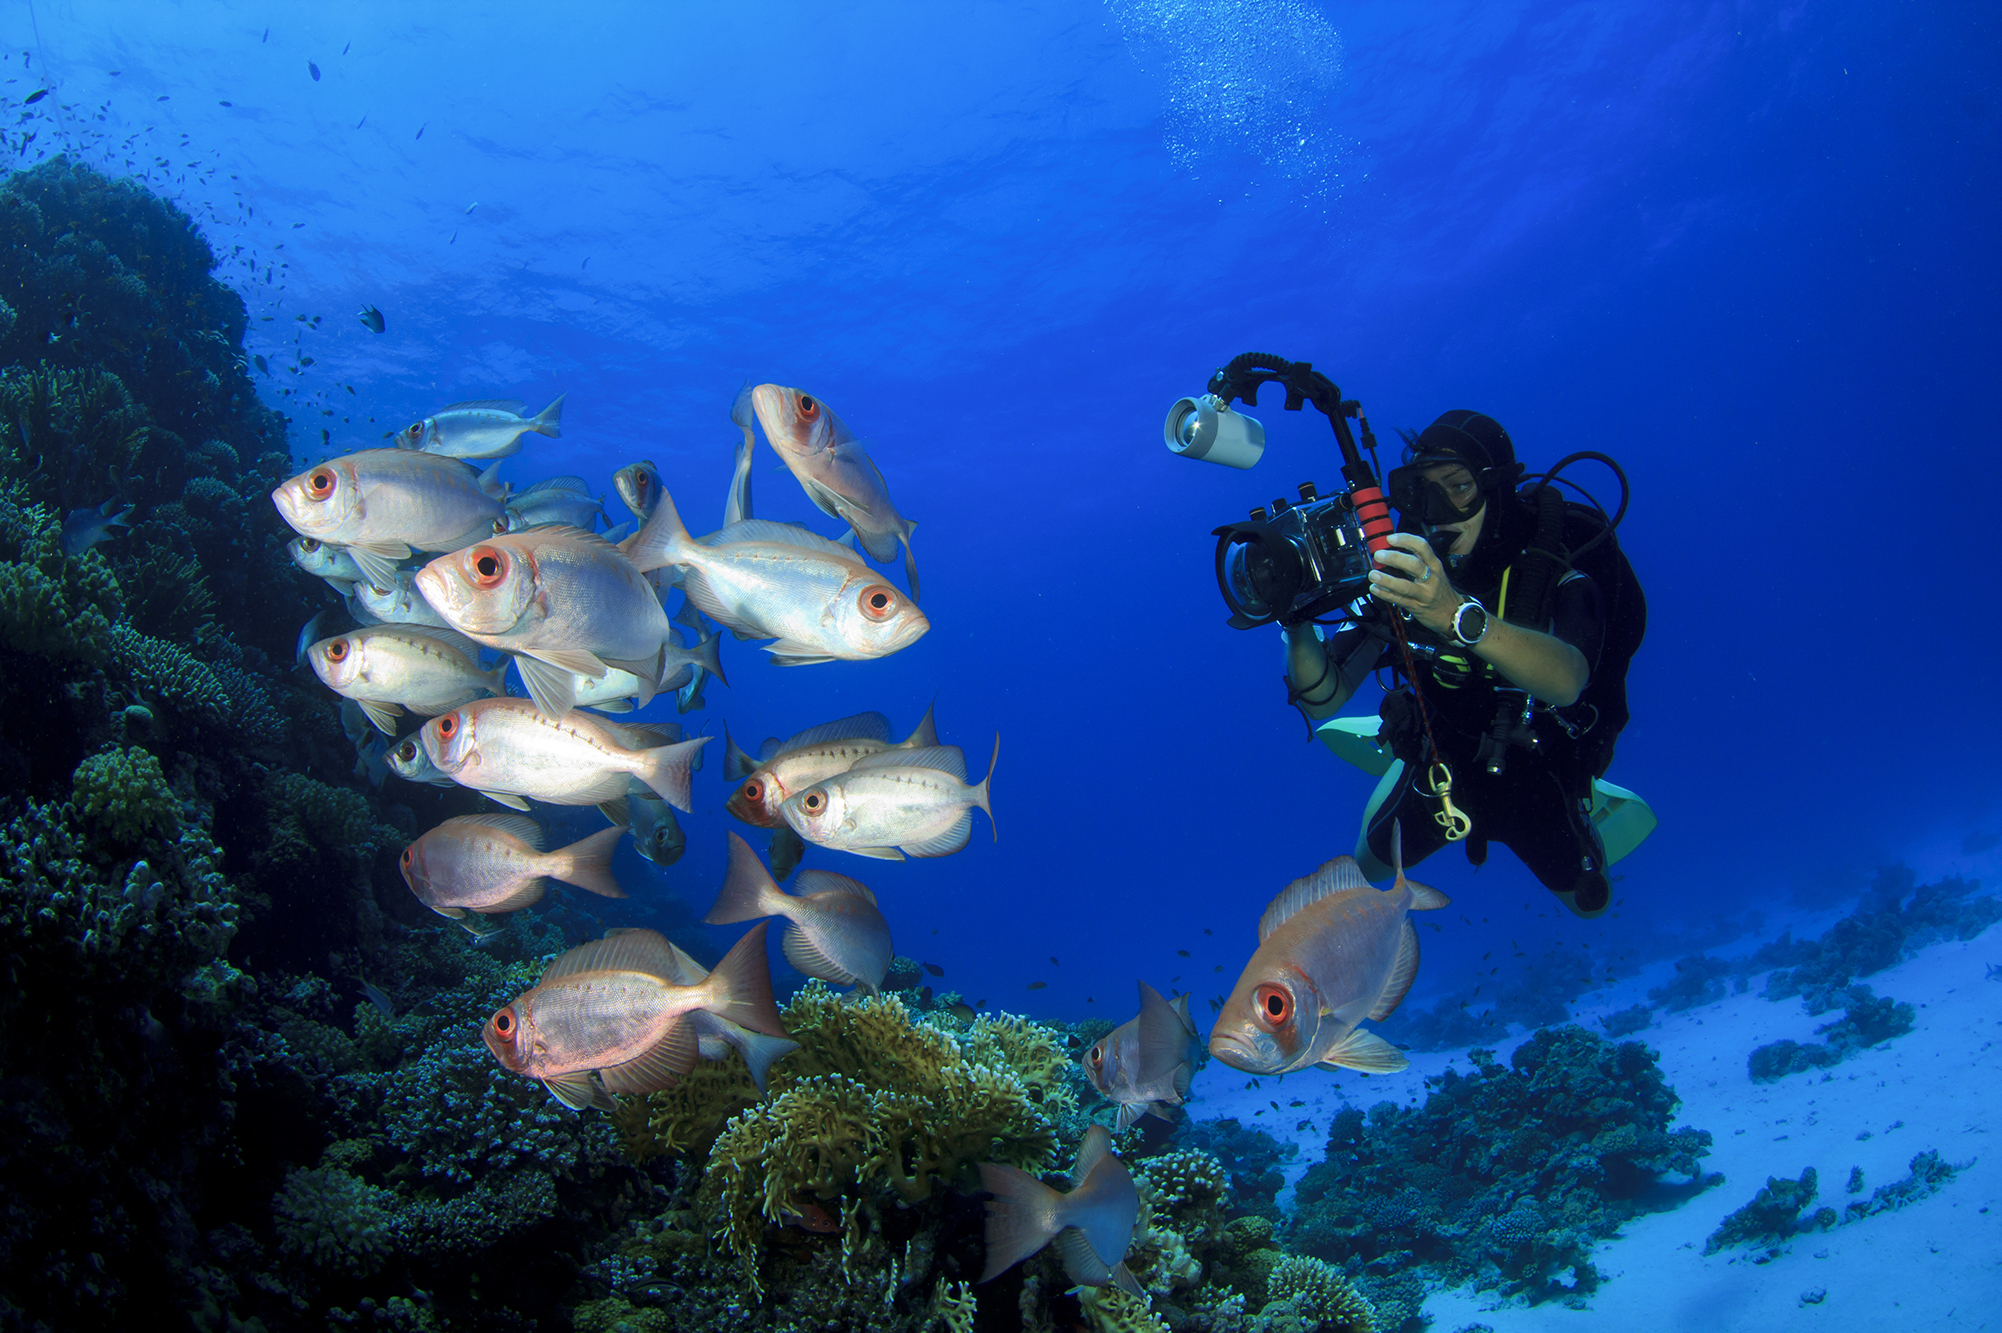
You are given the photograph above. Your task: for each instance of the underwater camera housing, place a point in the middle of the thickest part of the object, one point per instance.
(1299, 561)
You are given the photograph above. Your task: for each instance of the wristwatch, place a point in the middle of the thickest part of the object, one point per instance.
(1470, 623)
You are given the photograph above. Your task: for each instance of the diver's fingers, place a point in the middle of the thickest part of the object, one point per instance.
(1404, 562)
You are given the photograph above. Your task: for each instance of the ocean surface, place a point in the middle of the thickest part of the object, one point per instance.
(1746, 249)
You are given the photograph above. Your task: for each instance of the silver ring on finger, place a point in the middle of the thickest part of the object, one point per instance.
(1424, 573)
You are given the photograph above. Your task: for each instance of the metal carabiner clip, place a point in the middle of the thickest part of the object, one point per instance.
(1439, 785)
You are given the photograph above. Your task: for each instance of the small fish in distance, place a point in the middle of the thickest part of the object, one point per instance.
(608, 1009)
(837, 932)
(1038, 985)
(314, 70)
(372, 319)
(85, 528)
(493, 864)
(935, 969)
(1332, 952)
(1143, 1065)
(486, 428)
(1091, 1225)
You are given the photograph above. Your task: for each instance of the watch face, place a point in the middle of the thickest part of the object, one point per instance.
(1470, 622)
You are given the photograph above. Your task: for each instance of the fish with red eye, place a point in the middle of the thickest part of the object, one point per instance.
(1332, 952)
(814, 755)
(1143, 1065)
(380, 505)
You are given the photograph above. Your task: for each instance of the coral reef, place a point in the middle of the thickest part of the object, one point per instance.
(1503, 1179)
(1626, 1022)
(1773, 1215)
(1252, 1157)
(1868, 1020)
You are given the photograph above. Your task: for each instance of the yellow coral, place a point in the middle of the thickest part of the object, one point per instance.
(1318, 1291)
(953, 1305)
(1111, 1310)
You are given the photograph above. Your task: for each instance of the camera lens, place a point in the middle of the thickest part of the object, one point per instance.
(1185, 430)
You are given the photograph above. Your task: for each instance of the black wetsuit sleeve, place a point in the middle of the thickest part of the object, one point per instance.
(1579, 617)
(1353, 653)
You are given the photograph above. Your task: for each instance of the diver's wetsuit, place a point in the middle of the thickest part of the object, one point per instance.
(1539, 806)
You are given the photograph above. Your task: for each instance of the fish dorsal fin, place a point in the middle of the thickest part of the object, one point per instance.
(1096, 1145)
(574, 484)
(625, 951)
(1164, 1042)
(861, 727)
(644, 735)
(1337, 876)
(787, 534)
(812, 883)
(515, 826)
(687, 971)
(514, 405)
(945, 758)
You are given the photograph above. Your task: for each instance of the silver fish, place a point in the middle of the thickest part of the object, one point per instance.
(487, 428)
(558, 500)
(893, 804)
(777, 581)
(566, 603)
(331, 563)
(1332, 951)
(309, 634)
(491, 864)
(656, 832)
(814, 755)
(1092, 1225)
(387, 668)
(1143, 1065)
(85, 528)
(838, 934)
(716, 1036)
(409, 760)
(638, 484)
(835, 472)
(398, 604)
(382, 504)
(507, 749)
(607, 1008)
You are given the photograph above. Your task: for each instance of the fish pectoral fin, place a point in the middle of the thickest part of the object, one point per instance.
(1129, 1115)
(507, 799)
(799, 656)
(950, 841)
(1122, 1278)
(383, 715)
(880, 853)
(577, 661)
(578, 1091)
(617, 811)
(1366, 1053)
(1402, 973)
(456, 913)
(659, 1066)
(553, 688)
(377, 562)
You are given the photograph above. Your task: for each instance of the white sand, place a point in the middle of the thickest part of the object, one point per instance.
(1936, 1264)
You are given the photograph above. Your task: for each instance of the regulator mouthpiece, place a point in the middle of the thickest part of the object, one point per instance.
(1208, 429)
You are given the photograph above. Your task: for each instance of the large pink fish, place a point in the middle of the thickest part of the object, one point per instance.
(509, 750)
(1332, 951)
(834, 471)
(609, 1008)
(491, 864)
(1092, 1225)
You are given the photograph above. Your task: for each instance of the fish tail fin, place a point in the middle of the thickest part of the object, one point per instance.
(926, 734)
(496, 680)
(761, 1053)
(708, 654)
(740, 987)
(549, 419)
(588, 863)
(910, 561)
(748, 891)
(668, 770)
(661, 539)
(1018, 1216)
(980, 793)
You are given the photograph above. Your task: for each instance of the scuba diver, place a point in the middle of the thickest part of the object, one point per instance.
(1509, 684)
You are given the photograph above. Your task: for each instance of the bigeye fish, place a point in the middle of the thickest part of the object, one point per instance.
(398, 603)
(894, 804)
(559, 500)
(835, 472)
(490, 864)
(331, 563)
(1092, 1225)
(85, 528)
(605, 1018)
(382, 504)
(656, 832)
(409, 760)
(814, 755)
(485, 428)
(777, 581)
(1332, 951)
(565, 602)
(716, 1037)
(638, 484)
(837, 934)
(1143, 1065)
(509, 750)
(387, 668)
(686, 683)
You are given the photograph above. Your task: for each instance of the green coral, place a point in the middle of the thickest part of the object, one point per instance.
(309, 817)
(122, 793)
(1315, 1298)
(52, 605)
(165, 674)
(330, 1219)
(1111, 1310)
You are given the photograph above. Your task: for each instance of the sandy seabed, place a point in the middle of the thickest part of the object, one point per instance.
(1935, 1264)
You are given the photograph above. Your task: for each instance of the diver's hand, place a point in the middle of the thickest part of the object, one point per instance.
(1409, 577)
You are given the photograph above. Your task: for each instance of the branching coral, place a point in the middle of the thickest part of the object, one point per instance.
(1578, 1125)
(53, 605)
(124, 795)
(329, 1219)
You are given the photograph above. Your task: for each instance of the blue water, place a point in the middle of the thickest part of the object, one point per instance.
(1748, 249)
